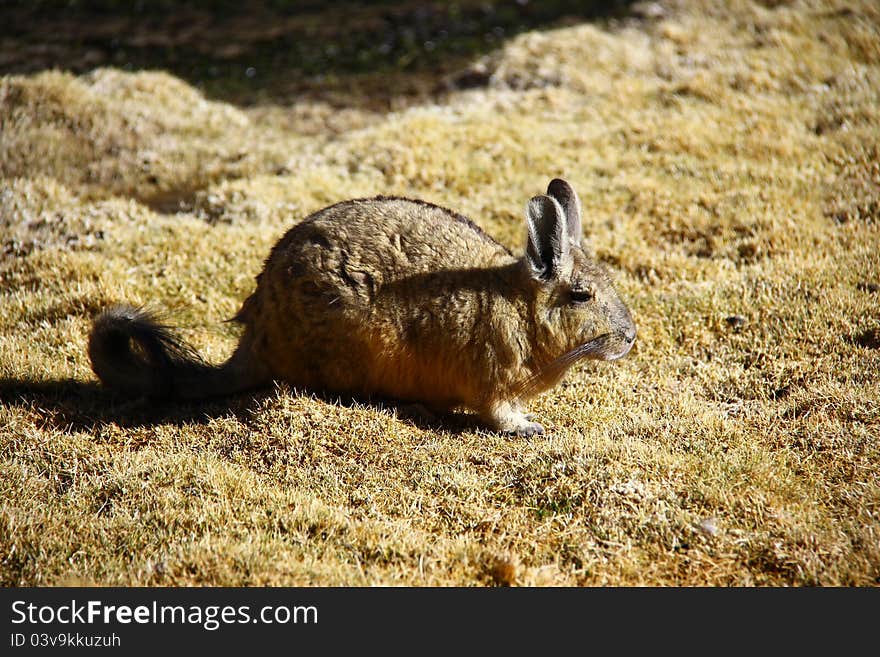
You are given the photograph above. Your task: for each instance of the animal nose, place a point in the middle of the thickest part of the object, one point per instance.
(630, 334)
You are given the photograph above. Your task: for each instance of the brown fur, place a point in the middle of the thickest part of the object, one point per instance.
(404, 299)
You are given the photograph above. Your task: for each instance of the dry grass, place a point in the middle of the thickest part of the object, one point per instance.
(727, 159)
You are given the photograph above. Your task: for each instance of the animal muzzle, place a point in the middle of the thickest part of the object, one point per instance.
(621, 343)
(614, 345)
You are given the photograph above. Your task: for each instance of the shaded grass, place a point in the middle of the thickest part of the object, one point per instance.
(726, 161)
(258, 52)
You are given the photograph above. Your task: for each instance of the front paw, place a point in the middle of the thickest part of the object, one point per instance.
(527, 430)
(511, 419)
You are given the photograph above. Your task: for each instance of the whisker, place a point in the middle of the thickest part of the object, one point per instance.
(556, 367)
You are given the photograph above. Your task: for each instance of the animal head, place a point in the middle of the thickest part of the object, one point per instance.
(577, 312)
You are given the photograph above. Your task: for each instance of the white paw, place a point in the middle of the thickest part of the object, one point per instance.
(528, 429)
(512, 420)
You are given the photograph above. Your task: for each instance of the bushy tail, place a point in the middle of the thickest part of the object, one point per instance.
(132, 352)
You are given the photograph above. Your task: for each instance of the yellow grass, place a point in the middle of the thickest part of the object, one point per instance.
(727, 160)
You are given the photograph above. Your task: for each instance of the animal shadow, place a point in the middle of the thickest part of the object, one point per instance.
(74, 405)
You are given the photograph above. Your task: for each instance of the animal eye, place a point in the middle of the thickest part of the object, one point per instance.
(580, 296)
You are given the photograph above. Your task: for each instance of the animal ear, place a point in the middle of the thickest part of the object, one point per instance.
(548, 249)
(571, 205)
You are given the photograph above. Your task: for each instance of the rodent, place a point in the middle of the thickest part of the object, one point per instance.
(397, 298)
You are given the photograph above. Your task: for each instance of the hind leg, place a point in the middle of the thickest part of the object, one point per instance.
(419, 414)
